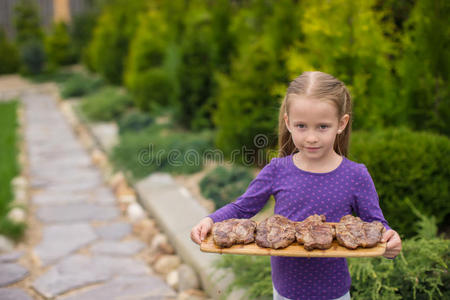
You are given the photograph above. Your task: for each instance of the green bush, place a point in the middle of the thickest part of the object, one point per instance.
(195, 70)
(151, 62)
(151, 89)
(80, 85)
(81, 30)
(33, 57)
(224, 185)
(111, 38)
(406, 164)
(160, 148)
(27, 22)
(251, 273)
(59, 46)
(9, 60)
(250, 92)
(108, 104)
(134, 121)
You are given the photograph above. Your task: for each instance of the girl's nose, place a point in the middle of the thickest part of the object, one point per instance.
(311, 138)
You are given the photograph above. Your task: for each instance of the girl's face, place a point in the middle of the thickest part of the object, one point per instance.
(314, 125)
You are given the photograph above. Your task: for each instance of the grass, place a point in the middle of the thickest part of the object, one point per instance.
(9, 167)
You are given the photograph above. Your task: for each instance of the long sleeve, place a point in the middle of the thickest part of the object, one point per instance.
(252, 201)
(366, 202)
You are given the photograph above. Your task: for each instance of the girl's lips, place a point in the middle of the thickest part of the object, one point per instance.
(312, 148)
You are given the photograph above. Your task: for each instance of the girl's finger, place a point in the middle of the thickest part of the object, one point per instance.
(196, 235)
(387, 235)
(203, 233)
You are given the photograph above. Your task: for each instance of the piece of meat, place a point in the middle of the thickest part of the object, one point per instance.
(352, 232)
(233, 231)
(275, 232)
(313, 233)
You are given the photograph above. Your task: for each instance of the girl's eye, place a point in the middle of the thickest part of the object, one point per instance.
(300, 125)
(323, 126)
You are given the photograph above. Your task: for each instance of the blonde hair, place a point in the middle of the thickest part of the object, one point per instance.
(322, 86)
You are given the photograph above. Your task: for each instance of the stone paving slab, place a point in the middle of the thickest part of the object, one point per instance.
(128, 287)
(11, 256)
(11, 273)
(76, 212)
(103, 196)
(117, 247)
(54, 198)
(79, 270)
(114, 231)
(60, 240)
(13, 294)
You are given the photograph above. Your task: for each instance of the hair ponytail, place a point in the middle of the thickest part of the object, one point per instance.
(285, 143)
(341, 144)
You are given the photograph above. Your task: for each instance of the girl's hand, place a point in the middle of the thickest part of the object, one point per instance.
(394, 243)
(199, 231)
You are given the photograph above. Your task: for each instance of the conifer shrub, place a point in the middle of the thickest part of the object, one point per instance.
(161, 148)
(108, 104)
(223, 185)
(134, 121)
(80, 85)
(406, 164)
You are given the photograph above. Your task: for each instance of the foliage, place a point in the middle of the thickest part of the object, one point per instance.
(134, 121)
(406, 164)
(153, 57)
(195, 68)
(161, 148)
(59, 46)
(108, 104)
(110, 43)
(252, 273)
(249, 93)
(81, 30)
(9, 167)
(33, 57)
(27, 22)
(419, 272)
(354, 46)
(80, 85)
(224, 185)
(29, 37)
(424, 66)
(9, 60)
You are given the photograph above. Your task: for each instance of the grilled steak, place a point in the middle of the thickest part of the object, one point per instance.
(352, 232)
(313, 233)
(275, 232)
(233, 231)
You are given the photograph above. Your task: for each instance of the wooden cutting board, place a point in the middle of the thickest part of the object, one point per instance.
(294, 250)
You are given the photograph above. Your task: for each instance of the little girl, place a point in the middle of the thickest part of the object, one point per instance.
(312, 175)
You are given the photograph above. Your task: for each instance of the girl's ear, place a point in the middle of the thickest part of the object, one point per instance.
(286, 120)
(343, 122)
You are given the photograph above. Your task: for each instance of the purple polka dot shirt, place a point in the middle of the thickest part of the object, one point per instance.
(299, 194)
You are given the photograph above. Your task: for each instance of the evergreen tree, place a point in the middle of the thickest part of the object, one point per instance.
(153, 58)
(248, 98)
(425, 65)
(112, 35)
(9, 60)
(59, 46)
(27, 22)
(348, 40)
